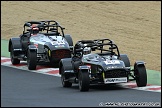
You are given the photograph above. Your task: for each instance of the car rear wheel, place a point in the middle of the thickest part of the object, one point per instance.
(70, 41)
(125, 59)
(13, 60)
(63, 78)
(140, 75)
(32, 60)
(84, 80)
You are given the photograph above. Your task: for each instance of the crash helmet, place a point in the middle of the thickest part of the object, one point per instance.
(35, 29)
(86, 50)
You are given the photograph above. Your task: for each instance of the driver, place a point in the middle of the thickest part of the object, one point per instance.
(86, 50)
(35, 29)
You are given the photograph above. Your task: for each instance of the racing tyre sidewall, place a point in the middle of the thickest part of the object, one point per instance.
(84, 81)
(32, 60)
(140, 75)
(64, 83)
(14, 61)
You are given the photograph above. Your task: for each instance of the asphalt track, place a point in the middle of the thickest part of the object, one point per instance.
(22, 88)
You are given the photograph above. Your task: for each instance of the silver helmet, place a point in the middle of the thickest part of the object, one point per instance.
(86, 50)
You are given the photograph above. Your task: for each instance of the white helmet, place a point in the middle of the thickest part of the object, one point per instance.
(87, 50)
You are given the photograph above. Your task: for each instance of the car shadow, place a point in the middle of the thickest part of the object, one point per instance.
(101, 87)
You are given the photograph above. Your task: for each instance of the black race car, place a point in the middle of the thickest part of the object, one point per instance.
(41, 42)
(104, 66)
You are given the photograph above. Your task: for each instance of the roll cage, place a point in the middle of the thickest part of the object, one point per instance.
(97, 45)
(53, 27)
(46, 27)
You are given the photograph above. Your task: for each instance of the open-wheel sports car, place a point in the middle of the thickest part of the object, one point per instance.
(99, 62)
(41, 42)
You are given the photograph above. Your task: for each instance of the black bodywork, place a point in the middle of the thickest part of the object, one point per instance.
(107, 66)
(48, 44)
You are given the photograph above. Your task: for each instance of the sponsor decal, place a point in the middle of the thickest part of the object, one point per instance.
(84, 67)
(115, 80)
(59, 46)
(17, 49)
(69, 71)
(110, 67)
(58, 43)
(111, 62)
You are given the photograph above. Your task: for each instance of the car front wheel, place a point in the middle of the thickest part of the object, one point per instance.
(14, 61)
(32, 60)
(63, 79)
(84, 80)
(140, 75)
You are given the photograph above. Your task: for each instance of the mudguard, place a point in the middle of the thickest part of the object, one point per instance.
(32, 48)
(138, 63)
(84, 68)
(15, 43)
(66, 63)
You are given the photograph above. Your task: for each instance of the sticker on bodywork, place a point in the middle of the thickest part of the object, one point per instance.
(59, 46)
(58, 43)
(112, 62)
(115, 80)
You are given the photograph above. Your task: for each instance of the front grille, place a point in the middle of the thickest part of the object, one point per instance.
(59, 54)
(115, 73)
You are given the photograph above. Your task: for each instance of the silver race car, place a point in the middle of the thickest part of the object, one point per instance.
(41, 41)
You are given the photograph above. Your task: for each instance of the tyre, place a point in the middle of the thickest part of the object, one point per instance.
(70, 41)
(84, 80)
(63, 77)
(31, 59)
(14, 61)
(125, 59)
(140, 75)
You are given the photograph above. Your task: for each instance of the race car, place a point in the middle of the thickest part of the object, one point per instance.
(99, 62)
(41, 42)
